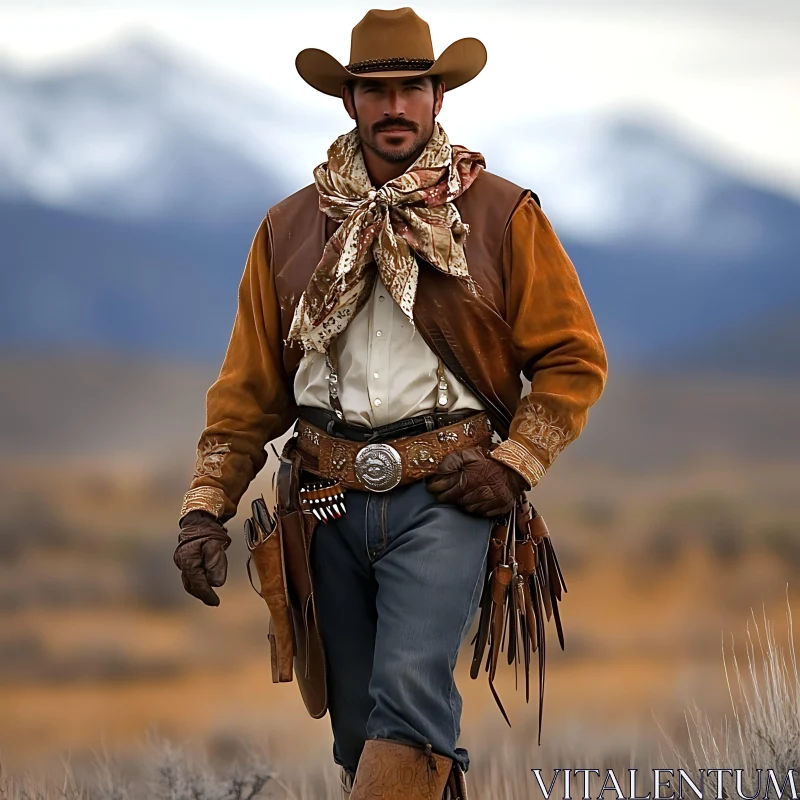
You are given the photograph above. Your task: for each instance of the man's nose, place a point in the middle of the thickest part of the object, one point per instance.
(395, 106)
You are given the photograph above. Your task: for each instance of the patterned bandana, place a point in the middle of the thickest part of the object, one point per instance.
(411, 213)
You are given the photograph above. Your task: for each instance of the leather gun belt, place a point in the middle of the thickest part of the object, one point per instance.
(380, 466)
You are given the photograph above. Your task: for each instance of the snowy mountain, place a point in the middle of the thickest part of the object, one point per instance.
(625, 178)
(137, 131)
(140, 130)
(131, 184)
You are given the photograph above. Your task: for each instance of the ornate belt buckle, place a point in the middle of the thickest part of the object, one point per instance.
(379, 467)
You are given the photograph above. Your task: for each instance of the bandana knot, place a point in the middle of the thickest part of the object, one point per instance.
(412, 214)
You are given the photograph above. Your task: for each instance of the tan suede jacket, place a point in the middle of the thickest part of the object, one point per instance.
(532, 318)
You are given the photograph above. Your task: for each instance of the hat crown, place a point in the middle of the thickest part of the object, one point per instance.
(396, 33)
(392, 43)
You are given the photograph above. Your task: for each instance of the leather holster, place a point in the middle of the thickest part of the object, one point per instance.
(264, 537)
(296, 530)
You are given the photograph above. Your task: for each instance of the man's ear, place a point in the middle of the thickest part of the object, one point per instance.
(347, 99)
(438, 98)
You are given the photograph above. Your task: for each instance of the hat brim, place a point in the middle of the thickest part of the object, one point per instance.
(458, 64)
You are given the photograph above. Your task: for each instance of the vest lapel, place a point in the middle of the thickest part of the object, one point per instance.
(472, 339)
(468, 333)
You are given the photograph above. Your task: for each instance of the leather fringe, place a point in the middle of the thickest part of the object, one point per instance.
(522, 590)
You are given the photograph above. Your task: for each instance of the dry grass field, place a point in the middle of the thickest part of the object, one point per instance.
(676, 518)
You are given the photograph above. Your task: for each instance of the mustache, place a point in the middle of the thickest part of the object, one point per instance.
(394, 123)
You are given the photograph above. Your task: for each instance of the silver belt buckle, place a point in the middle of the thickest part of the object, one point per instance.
(379, 467)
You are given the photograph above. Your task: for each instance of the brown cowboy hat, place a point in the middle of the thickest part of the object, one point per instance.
(392, 44)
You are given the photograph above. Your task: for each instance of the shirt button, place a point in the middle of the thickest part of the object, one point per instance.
(375, 375)
(378, 333)
(377, 401)
(381, 297)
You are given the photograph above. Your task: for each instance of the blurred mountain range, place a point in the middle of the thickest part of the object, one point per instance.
(132, 183)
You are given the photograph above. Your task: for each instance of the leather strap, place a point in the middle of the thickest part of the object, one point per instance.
(332, 360)
(420, 455)
(443, 399)
(408, 426)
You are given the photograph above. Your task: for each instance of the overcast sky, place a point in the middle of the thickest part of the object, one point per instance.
(725, 72)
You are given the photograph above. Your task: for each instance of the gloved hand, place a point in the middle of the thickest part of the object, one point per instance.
(200, 555)
(474, 480)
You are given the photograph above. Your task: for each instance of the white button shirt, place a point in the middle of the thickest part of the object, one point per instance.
(387, 371)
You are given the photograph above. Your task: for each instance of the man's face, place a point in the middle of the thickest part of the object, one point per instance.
(394, 116)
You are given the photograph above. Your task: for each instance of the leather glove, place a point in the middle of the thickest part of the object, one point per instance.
(200, 555)
(479, 483)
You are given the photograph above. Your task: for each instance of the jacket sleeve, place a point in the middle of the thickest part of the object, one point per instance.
(557, 342)
(252, 401)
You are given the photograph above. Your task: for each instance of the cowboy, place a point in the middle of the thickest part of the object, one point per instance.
(388, 310)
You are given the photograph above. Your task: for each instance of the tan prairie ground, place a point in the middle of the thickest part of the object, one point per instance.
(667, 544)
(599, 710)
(637, 652)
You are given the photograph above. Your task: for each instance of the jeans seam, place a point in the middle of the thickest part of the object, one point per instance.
(366, 528)
(454, 656)
(385, 520)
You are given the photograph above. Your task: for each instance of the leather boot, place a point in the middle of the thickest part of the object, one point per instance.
(346, 777)
(393, 770)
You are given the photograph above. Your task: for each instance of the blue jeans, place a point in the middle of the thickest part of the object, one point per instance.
(397, 581)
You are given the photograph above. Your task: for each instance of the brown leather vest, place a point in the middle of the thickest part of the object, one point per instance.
(469, 333)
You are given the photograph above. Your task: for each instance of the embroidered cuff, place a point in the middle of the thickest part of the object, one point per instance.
(204, 498)
(514, 455)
